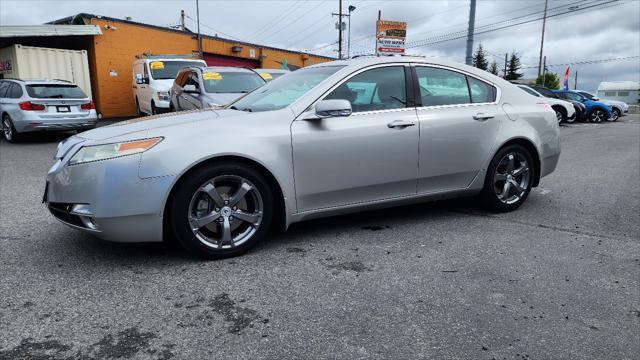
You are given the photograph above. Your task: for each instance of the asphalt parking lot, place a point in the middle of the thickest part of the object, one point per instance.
(557, 279)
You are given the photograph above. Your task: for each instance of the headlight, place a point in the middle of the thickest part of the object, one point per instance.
(108, 151)
(163, 95)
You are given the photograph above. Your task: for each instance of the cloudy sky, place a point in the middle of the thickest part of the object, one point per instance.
(591, 30)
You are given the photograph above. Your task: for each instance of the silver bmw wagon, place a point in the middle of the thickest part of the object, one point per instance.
(327, 139)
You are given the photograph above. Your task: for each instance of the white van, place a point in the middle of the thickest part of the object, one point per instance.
(152, 79)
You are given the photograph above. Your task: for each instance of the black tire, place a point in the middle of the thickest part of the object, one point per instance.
(9, 131)
(597, 115)
(154, 110)
(138, 111)
(615, 115)
(560, 115)
(181, 207)
(489, 195)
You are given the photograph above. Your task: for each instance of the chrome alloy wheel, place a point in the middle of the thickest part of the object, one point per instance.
(225, 211)
(615, 114)
(511, 178)
(6, 128)
(597, 116)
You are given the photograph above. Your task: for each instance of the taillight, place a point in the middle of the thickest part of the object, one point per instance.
(28, 105)
(88, 106)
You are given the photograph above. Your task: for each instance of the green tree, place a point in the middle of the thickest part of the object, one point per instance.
(550, 80)
(494, 68)
(480, 59)
(512, 67)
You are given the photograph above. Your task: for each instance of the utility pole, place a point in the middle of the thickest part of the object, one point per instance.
(340, 29)
(544, 23)
(544, 71)
(182, 27)
(379, 18)
(505, 65)
(472, 21)
(199, 35)
(575, 81)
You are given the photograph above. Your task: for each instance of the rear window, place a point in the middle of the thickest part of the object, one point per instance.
(55, 91)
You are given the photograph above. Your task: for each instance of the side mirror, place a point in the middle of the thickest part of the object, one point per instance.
(139, 79)
(333, 108)
(190, 89)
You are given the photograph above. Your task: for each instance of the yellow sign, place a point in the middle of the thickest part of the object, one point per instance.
(266, 76)
(156, 65)
(211, 76)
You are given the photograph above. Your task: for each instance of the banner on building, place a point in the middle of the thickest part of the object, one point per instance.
(390, 36)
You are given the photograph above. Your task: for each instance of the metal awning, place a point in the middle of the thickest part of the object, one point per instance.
(49, 30)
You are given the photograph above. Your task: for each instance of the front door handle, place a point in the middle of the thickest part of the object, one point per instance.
(483, 116)
(400, 124)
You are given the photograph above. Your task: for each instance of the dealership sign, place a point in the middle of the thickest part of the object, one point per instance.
(390, 36)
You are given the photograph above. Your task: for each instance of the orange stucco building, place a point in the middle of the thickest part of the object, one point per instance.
(112, 53)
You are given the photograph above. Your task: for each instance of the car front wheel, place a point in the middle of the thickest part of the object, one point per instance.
(597, 116)
(509, 179)
(221, 210)
(559, 115)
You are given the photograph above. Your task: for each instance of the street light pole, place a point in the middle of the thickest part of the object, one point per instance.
(340, 30)
(351, 8)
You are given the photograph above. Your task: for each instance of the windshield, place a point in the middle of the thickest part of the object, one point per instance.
(231, 82)
(282, 93)
(587, 95)
(162, 70)
(55, 91)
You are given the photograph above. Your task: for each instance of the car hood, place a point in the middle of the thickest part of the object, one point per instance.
(144, 124)
(162, 84)
(223, 98)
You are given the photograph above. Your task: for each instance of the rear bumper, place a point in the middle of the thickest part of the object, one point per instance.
(35, 122)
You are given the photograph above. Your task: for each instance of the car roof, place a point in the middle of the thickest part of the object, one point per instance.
(41, 81)
(273, 71)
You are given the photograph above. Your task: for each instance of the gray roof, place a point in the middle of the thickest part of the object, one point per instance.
(49, 30)
(619, 85)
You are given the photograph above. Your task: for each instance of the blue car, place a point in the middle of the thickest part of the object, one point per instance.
(595, 111)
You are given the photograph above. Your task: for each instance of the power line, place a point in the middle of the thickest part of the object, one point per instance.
(296, 20)
(266, 28)
(216, 30)
(624, 58)
(421, 43)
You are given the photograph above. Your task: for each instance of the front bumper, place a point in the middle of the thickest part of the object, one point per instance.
(120, 205)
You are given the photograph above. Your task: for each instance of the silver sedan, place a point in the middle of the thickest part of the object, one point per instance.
(327, 139)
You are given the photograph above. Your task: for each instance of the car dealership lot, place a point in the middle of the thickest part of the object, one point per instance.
(559, 278)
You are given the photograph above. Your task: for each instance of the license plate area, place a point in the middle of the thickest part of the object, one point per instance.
(63, 109)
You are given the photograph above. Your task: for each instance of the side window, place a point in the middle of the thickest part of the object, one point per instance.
(14, 92)
(4, 85)
(376, 89)
(192, 79)
(481, 92)
(531, 92)
(442, 87)
(145, 71)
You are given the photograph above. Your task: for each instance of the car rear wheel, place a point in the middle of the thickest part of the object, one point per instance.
(615, 115)
(509, 179)
(138, 111)
(221, 210)
(8, 130)
(597, 115)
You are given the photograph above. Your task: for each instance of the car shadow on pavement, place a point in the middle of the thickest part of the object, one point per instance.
(92, 249)
(41, 138)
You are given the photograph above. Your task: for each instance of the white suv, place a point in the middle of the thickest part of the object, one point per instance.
(39, 105)
(152, 80)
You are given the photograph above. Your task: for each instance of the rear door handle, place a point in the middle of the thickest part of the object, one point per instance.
(400, 124)
(483, 116)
